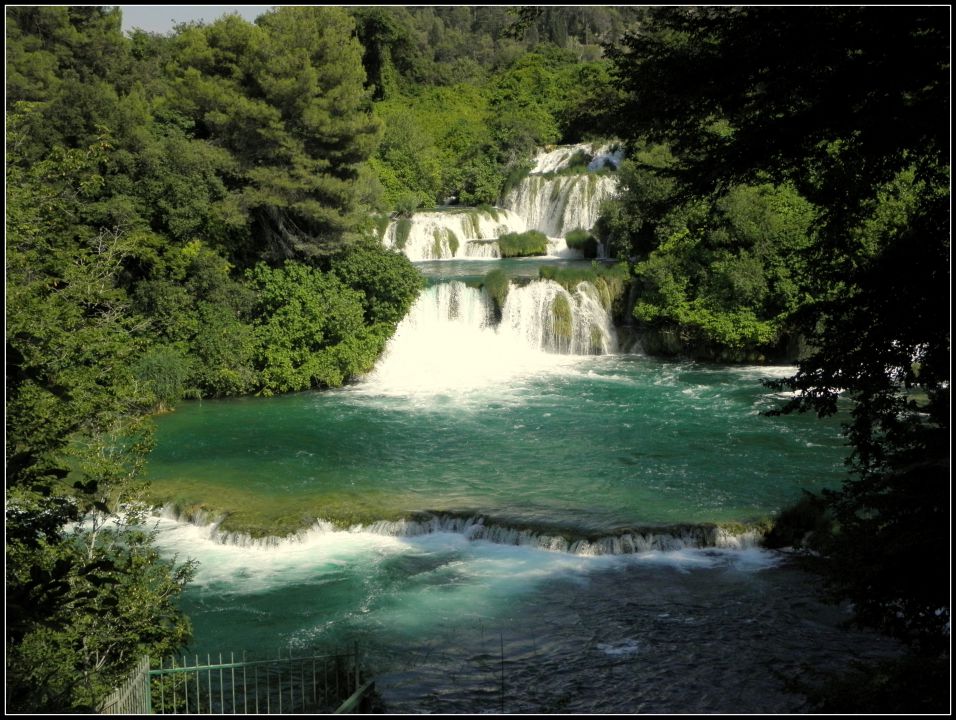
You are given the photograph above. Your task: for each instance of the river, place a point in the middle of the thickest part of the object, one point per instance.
(507, 523)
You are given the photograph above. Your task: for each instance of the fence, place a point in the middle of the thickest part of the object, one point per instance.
(130, 697)
(301, 685)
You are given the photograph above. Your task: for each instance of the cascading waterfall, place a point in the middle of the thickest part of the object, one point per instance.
(623, 543)
(550, 161)
(449, 341)
(476, 527)
(451, 234)
(558, 205)
(547, 317)
(554, 205)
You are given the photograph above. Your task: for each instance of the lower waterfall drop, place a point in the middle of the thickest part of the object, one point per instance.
(548, 317)
(449, 341)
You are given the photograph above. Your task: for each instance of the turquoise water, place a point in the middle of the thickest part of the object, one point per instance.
(596, 444)
(472, 480)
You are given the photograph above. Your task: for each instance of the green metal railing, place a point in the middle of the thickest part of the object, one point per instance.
(305, 684)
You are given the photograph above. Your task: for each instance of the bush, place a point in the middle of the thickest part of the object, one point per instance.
(406, 205)
(309, 329)
(388, 280)
(798, 525)
(164, 370)
(496, 284)
(609, 279)
(524, 244)
(582, 241)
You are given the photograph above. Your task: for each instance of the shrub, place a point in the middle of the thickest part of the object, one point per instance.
(523, 244)
(164, 369)
(496, 284)
(402, 229)
(407, 205)
(582, 241)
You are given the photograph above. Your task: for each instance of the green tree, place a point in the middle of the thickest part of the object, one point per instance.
(858, 121)
(389, 47)
(285, 97)
(309, 329)
(201, 317)
(87, 593)
(71, 63)
(388, 280)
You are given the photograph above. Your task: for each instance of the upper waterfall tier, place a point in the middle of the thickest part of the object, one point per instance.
(467, 233)
(557, 205)
(551, 161)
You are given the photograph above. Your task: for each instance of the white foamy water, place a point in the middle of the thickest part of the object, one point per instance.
(530, 317)
(449, 344)
(454, 234)
(549, 161)
(558, 205)
(490, 552)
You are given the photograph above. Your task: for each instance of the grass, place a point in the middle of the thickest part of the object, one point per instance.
(524, 244)
(610, 281)
(496, 284)
(582, 241)
(561, 316)
(402, 229)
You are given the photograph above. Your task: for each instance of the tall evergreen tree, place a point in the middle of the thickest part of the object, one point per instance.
(286, 98)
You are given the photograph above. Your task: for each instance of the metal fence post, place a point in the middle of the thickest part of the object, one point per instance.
(149, 686)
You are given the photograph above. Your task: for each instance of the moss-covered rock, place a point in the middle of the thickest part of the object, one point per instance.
(561, 318)
(582, 241)
(497, 285)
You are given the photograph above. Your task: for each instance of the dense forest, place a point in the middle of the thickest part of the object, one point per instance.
(199, 214)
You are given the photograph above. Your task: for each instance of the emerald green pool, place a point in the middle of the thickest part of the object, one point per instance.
(516, 454)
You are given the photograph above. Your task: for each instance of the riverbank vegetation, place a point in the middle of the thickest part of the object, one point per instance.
(725, 101)
(186, 216)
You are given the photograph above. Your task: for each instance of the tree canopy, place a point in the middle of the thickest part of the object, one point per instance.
(857, 120)
(164, 197)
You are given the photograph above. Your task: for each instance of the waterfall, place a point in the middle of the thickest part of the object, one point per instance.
(449, 342)
(551, 161)
(547, 317)
(626, 542)
(557, 205)
(607, 156)
(476, 527)
(468, 233)
(554, 205)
